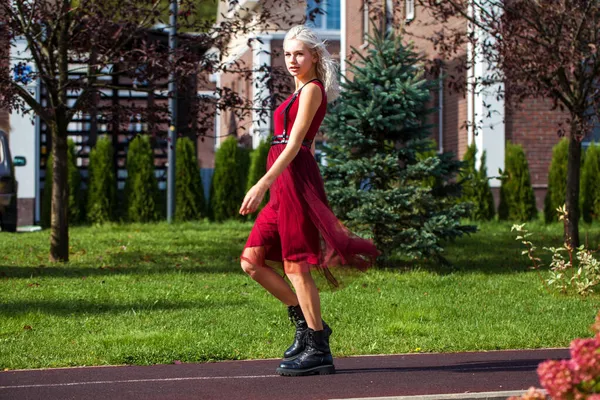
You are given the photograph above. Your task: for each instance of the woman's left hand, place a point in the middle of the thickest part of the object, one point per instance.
(253, 199)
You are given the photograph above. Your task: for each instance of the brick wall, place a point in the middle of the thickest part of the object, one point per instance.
(534, 126)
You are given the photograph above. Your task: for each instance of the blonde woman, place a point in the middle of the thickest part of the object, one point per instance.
(296, 229)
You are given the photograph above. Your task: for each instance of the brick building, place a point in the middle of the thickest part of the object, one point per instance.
(344, 26)
(534, 125)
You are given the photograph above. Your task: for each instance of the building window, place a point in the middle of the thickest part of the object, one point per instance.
(409, 10)
(366, 21)
(323, 14)
(389, 15)
(594, 134)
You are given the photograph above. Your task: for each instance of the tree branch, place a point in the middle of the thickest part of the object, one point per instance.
(31, 102)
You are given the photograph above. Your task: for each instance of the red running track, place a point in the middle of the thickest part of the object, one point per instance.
(371, 376)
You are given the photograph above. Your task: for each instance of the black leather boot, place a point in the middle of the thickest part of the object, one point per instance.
(315, 359)
(297, 317)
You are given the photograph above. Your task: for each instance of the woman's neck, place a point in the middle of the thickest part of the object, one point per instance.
(301, 81)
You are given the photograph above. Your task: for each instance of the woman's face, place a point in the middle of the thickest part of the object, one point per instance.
(298, 58)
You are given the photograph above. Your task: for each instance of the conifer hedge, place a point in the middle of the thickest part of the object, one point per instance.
(102, 192)
(141, 187)
(590, 184)
(557, 181)
(189, 192)
(258, 167)
(476, 189)
(229, 180)
(517, 199)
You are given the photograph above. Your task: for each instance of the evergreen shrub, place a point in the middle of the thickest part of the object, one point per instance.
(476, 186)
(141, 187)
(517, 199)
(229, 180)
(258, 167)
(557, 181)
(590, 184)
(189, 199)
(102, 187)
(383, 177)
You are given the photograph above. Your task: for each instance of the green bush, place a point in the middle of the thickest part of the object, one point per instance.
(189, 192)
(476, 189)
(141, 187)
(258, 167)
(229, 180)
(102, 188)
(74, 182)
(557, 181)
(590, 184)
(517, 199)
(384, 178)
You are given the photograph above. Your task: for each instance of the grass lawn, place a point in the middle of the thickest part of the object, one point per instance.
(145, 294)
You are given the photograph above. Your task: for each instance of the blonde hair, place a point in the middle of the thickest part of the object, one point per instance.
(326, 67)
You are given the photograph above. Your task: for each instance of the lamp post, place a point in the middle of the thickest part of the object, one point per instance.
(172, 136)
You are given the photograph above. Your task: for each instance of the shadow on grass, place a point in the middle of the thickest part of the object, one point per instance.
(81, 306)
(486, 252)
(132, 263)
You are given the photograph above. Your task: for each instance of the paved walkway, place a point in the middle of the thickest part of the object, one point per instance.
(462, 374)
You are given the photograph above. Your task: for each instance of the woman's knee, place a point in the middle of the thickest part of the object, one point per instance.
(249, 268)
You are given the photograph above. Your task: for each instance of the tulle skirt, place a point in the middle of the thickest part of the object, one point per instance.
(297, 232)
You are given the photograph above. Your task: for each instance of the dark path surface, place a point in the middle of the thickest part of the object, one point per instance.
(373, 376)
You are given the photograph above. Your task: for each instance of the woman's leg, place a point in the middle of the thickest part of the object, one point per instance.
(271, 281)
(308, 298)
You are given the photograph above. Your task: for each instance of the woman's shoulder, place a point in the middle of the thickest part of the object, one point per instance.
(313, 90)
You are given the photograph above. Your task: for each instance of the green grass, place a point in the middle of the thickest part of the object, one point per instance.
(145, 294)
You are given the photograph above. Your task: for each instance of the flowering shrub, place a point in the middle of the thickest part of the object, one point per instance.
(574, 379)
(569, 268)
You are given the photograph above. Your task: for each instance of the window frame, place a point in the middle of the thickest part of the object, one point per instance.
(409, 10)
(323, 5)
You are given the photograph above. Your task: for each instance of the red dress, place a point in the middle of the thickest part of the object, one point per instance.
(297, 230)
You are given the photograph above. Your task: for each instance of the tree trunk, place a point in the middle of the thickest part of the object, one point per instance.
(59, 220)
(571, 233)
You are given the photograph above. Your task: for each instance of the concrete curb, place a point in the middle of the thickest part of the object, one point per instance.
(452, 396)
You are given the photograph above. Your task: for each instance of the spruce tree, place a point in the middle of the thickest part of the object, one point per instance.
(590, 184)
(229, 180)
(102, 192)
(557, 181)
(379, 176)
(189, 197)
(517, 199)
(476, 186)
(141, 187)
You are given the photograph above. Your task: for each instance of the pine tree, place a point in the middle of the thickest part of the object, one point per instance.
(476, 188)
(102, 193)
(258, 167)
(377, 177)
(557, 181)
(517, 200)
(590, 184)
(189, 197)
(229, 180)
(141, 187)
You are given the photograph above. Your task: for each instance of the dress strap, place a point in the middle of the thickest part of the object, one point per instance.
(284, 137)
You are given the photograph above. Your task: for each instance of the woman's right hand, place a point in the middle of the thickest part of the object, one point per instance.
(253, 198)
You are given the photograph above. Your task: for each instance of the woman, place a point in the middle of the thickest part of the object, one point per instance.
(297, 229)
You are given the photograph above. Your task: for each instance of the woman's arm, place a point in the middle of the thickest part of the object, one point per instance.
(309, 103)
